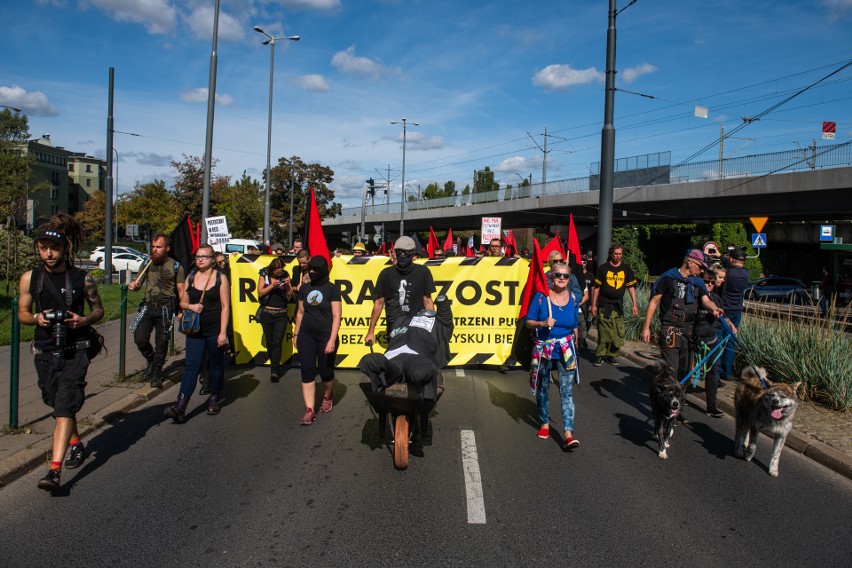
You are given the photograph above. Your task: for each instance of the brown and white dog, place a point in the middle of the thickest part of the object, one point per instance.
(763, 406)
(667, 401)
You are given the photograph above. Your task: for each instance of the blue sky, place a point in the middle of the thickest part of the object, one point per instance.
(478, 76)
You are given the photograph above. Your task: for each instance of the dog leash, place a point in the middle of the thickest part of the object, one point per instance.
(698, 365)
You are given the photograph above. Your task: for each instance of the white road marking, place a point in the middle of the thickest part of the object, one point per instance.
(459, 372)
(472, 479)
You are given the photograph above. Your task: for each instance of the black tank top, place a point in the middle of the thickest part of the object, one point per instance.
(45, 300)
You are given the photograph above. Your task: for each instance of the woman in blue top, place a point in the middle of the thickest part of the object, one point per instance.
(554, 319)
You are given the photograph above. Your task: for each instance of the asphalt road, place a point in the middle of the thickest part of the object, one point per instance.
(251, 487)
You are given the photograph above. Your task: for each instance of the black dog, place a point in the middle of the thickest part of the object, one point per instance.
(667, 401)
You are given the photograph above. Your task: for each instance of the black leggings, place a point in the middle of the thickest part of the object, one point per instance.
(312, 356)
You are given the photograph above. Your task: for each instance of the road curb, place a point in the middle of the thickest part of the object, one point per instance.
(22, 462)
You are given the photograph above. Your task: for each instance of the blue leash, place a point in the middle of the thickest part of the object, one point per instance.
(697, 368)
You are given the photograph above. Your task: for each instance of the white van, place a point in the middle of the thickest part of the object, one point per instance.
(238, 245)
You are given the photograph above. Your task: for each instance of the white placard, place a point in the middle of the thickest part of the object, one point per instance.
(217, 229)
(491, 229)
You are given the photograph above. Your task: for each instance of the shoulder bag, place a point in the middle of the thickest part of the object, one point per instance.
(189, 322)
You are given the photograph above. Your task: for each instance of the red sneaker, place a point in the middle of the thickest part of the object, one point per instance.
(326, 404)
(544, 432)
(571, 443)
(309, 417)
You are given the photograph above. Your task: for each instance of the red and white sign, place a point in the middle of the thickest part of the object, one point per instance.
(828, 130)
(491, 229)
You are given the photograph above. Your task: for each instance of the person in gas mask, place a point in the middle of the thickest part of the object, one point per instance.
(418, 346)
(402, 289)
(315, 335)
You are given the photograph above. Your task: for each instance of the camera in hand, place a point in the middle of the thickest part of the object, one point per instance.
(58, 328)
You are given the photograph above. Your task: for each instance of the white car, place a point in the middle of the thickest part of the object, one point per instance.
(97, 255)
(125, 261)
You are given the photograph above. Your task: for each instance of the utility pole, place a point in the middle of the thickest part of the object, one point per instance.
(544, 152)
(607, 143)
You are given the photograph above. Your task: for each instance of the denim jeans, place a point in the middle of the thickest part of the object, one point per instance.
(726, 361)
(566, 392)
(196, 348)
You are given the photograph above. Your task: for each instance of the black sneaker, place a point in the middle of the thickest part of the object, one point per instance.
(76, 457)
(599, 361)
(612, 361)
(273, 377)
(715, 413)
(49, 482)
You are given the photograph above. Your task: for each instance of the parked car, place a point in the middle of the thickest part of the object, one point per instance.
(778, 289)
(238, 245)
(97, 255)
(125, 261)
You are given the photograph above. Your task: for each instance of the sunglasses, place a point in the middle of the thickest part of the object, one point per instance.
(709, 281)
(200, 256)
(561, 275)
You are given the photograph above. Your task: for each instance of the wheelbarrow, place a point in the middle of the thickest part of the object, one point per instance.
(408, 410)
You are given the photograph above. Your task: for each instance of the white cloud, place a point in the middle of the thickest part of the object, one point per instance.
(419, 141)
(315, 83)
(156, 15)
(516, 164)
(633, 73)
(563, 77)
(200, 21)
(199, 95)
(348, 62)
(31, 103)
(156, 160)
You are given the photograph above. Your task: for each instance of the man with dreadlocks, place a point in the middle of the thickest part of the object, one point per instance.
(164, 282)
(64, 339)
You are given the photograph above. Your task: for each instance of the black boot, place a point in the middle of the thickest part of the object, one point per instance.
(177, 411)
(214, 404)
(156, 377)
(149, 370)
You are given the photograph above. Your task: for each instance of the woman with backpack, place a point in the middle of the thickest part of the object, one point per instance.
(207, 293)
(554, 319)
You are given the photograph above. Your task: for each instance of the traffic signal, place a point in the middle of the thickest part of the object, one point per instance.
(371, 183)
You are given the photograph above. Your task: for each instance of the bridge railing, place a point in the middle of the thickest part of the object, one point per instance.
(819, 156)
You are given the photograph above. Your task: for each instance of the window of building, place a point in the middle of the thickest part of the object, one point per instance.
(88, 183)
(54, 192)
(71, 167)
(54, 209)
(88, 168)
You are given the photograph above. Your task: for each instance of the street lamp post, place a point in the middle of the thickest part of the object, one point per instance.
(271, 42)
(116, 194)
(402, 202)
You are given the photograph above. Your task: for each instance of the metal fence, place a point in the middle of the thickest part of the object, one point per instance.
(648, 169)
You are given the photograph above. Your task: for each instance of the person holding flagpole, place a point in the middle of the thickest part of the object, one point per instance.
(553, 317)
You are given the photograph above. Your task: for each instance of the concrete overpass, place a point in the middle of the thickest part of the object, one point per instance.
(810, 196)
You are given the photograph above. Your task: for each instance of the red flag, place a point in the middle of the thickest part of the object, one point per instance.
(536, 280)
(433, 243)
(511, 246)
(382, 249)
(555, 244)
(313, 235)
(448, 243)
(573, 241)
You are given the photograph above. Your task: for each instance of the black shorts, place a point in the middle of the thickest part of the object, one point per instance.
(62, 380)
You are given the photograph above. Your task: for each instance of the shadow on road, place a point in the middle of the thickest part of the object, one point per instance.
(132, 427)
(519, 409)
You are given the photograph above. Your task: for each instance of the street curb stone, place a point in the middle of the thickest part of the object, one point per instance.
(22, 462)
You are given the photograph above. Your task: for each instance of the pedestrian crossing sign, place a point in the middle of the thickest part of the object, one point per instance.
(758, 240)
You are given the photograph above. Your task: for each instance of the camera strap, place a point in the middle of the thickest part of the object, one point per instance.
(52, 289)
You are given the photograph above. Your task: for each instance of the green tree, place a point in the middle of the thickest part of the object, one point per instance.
(303, 176)
(189, 185)
(736, 234)
(93, 215)
(150, 203)
(484, 181)
(242, 204)
(17, 252)
(434, 191)
(15, 164)
(628, 237)
(466, 195)
(507, 196)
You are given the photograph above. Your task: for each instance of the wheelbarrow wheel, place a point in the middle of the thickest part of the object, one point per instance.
(400, 442)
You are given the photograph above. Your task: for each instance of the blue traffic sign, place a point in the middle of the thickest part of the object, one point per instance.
(758, 240)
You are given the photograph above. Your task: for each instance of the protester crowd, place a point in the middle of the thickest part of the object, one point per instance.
(567, 297)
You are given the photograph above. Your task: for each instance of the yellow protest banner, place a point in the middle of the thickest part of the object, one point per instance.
(486, 296)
